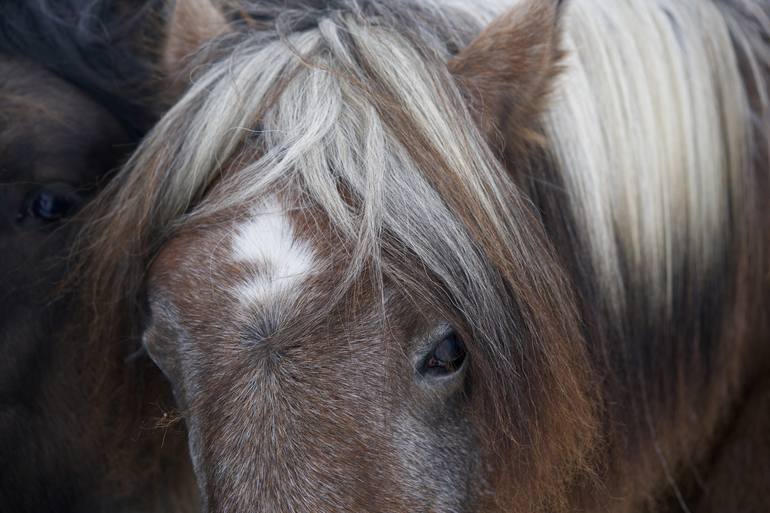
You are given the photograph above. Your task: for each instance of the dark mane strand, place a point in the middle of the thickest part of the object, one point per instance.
(93, 44)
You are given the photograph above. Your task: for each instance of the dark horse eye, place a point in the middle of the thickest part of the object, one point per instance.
(447, 357)
(49, 204)
(50, 207)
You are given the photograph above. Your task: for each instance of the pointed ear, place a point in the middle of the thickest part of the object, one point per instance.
(190, 24)
(507, 72)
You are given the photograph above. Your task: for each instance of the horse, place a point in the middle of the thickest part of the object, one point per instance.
(448, 256)
(77, 428)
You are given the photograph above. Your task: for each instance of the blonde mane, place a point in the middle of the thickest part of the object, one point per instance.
(650, 128)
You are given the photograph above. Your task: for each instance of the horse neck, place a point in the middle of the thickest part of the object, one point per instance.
(675, 323)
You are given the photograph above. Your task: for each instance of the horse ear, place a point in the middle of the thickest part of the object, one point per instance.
(190, 24)
(507, 72)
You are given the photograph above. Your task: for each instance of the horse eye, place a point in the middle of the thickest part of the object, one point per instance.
(447, 357)
(49, 204)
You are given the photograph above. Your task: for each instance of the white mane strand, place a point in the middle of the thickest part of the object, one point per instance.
(650, 127)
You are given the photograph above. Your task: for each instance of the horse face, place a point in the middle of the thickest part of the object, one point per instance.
(297, 404)
(55, 145)
(308, 381)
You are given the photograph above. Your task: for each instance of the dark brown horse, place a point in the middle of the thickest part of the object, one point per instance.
(77, 424)
(436, 256)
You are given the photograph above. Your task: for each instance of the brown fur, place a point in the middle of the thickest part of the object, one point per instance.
(508, 71)
(190, 23)
(736, 477)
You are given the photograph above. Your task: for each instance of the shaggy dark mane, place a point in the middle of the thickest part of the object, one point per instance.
(92, 44)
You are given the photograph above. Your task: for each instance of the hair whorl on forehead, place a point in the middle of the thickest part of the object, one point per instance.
(352, 108)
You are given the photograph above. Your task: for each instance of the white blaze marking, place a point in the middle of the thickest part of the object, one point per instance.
(268, 240)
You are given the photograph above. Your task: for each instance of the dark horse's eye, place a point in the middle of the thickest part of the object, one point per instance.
(49, 203)
(447, 357)
(49, 206)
